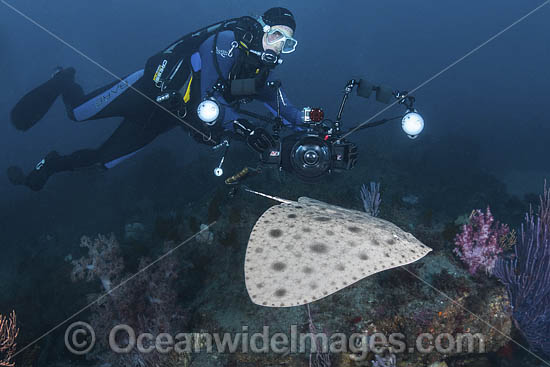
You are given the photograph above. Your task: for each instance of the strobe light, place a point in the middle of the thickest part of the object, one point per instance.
(208, 111)
(412, 124)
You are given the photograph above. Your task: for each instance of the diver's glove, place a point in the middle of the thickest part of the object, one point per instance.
(172, 100)
(256, 137)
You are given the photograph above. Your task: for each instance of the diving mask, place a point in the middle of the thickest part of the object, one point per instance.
(275, 36)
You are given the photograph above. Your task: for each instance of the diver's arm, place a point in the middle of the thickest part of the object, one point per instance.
(290, 114)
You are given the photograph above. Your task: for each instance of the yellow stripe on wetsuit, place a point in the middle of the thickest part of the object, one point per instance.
(187, 94)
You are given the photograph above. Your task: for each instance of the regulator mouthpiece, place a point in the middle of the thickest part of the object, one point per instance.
(412, 124)
(208, 111)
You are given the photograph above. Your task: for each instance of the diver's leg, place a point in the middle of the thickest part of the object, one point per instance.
(111, 100)
(128, 139)
(34, 105)
(118, 98)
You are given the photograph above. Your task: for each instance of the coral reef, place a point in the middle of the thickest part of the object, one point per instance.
(400, 300)
(145, 301)
(526, 275)
(319, 357)
(8, 334)
(371, 198)
(407, 300)
(103, 261)
(481, 241)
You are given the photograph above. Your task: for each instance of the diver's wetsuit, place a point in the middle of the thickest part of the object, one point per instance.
(182, 69)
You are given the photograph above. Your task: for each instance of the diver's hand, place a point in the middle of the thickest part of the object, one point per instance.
(260, 140)
(172, 100)
(257, 138)
(243, 127)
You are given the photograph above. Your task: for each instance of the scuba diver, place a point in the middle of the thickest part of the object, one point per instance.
(198, 83)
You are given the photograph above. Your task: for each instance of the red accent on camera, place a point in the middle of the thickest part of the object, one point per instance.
(316, 115)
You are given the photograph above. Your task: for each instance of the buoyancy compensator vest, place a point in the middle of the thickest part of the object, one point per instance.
(174, 68)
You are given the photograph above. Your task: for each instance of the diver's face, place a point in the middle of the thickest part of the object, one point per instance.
(273, 40)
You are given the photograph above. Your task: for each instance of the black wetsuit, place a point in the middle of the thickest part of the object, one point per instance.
(185, 67)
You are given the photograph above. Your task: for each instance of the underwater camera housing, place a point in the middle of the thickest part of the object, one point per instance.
(321, 147)
(310, 155)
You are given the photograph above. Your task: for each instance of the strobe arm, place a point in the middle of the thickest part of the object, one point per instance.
(405, 99)
(347, 90)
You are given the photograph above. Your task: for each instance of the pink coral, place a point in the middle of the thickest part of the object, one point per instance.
(103, 261)
(145, 301)
(479, 243)
(8, 334)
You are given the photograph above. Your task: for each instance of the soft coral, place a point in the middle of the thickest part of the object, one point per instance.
(479, 243)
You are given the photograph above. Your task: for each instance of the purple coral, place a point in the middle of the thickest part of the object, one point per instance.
(478, 245)
(526, 275)
(371, 198)
(321, 357)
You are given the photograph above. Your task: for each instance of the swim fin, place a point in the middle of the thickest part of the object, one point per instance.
(34, 105)
(36, 179)
(16, 175)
